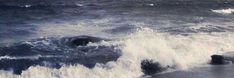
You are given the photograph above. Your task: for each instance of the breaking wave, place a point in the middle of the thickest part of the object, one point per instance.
(177, 51)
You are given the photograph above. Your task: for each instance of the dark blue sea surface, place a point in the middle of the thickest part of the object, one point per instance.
(110, 38)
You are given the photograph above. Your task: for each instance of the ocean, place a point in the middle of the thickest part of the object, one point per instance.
(115, 38)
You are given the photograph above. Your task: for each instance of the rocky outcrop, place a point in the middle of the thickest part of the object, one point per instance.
(221, 60)
(149, 67)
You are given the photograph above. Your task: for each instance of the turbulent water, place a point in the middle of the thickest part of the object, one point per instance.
(36, 38)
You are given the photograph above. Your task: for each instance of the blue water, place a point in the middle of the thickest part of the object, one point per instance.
(40, 33)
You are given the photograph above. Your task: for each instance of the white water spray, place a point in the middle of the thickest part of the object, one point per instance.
(183, 52)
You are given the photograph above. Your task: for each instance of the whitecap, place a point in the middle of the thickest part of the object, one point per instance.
(223, 11)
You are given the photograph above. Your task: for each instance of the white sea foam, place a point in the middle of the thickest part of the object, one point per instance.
(183, 52)
(224, 11)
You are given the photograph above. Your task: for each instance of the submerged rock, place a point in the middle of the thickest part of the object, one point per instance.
(83, 40)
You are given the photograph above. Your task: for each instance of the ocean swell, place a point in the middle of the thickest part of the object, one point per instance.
(177, 51)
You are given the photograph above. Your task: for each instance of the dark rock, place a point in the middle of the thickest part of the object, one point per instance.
(84, 40)
(217, 60)
(149, 67)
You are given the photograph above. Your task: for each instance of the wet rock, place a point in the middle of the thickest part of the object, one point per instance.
(217, 60)
(149, 67)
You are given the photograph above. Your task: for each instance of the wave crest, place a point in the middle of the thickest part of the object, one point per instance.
(178, 51)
